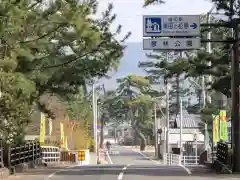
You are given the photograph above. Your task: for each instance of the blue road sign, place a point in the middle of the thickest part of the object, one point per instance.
(171, 25)
(153, 25)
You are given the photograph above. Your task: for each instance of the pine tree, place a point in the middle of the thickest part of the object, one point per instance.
(51, 48)
(156, 68)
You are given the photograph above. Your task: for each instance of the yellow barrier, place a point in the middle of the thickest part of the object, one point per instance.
(81, 155)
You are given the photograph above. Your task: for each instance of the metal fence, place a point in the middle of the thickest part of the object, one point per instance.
(190, 160)
(67, 156)
(32, 152)
(19, 154)
(171, 159)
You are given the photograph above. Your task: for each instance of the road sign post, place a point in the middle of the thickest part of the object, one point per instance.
(182, 32)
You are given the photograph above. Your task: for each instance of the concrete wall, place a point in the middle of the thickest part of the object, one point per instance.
(175, 138)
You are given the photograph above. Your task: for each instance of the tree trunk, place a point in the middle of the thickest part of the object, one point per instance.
(85, 88)
(101, 134)
(142, 138)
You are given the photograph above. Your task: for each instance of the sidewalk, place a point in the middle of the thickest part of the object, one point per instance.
(42, 172)
(102, 157)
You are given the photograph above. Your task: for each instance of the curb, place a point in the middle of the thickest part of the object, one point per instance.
(103, 162)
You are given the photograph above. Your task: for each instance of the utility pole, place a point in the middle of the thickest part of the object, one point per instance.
(102, 121)
(181, 120)
(233, 24)
(235, 102)
(94, 108)
(178, 86)
(167, 110)
(156, 129)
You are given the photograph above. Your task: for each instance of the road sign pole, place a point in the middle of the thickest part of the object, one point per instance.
(185, 32)
(156, 130)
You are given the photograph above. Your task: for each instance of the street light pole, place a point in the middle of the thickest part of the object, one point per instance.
(94, 108)
(181, 120)
(167, 111)
(156, 129)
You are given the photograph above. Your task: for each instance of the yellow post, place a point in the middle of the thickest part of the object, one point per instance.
(216, 130)
(62, 135)
(42, 129)
(223, 126)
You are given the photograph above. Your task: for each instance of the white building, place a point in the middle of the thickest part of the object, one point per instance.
(191, 133)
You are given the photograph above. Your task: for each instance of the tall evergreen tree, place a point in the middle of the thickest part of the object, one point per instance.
(51, 48)
(155, 67)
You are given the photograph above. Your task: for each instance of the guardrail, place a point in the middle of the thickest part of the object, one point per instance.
(190, 160)
(50, 154)
(171, 159)
(31, 153)
(67, 156)
(14, 154)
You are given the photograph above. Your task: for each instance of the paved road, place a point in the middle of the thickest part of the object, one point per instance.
(129, 165)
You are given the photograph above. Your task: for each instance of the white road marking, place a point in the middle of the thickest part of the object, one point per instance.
(110, 160)
(147, 157)
(120, 176)
(53, 174)
(186, 169)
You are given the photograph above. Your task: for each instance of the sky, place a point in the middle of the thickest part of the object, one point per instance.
(130, 12)
(129, 15)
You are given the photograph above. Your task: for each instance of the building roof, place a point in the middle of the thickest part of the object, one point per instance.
(189, 120)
